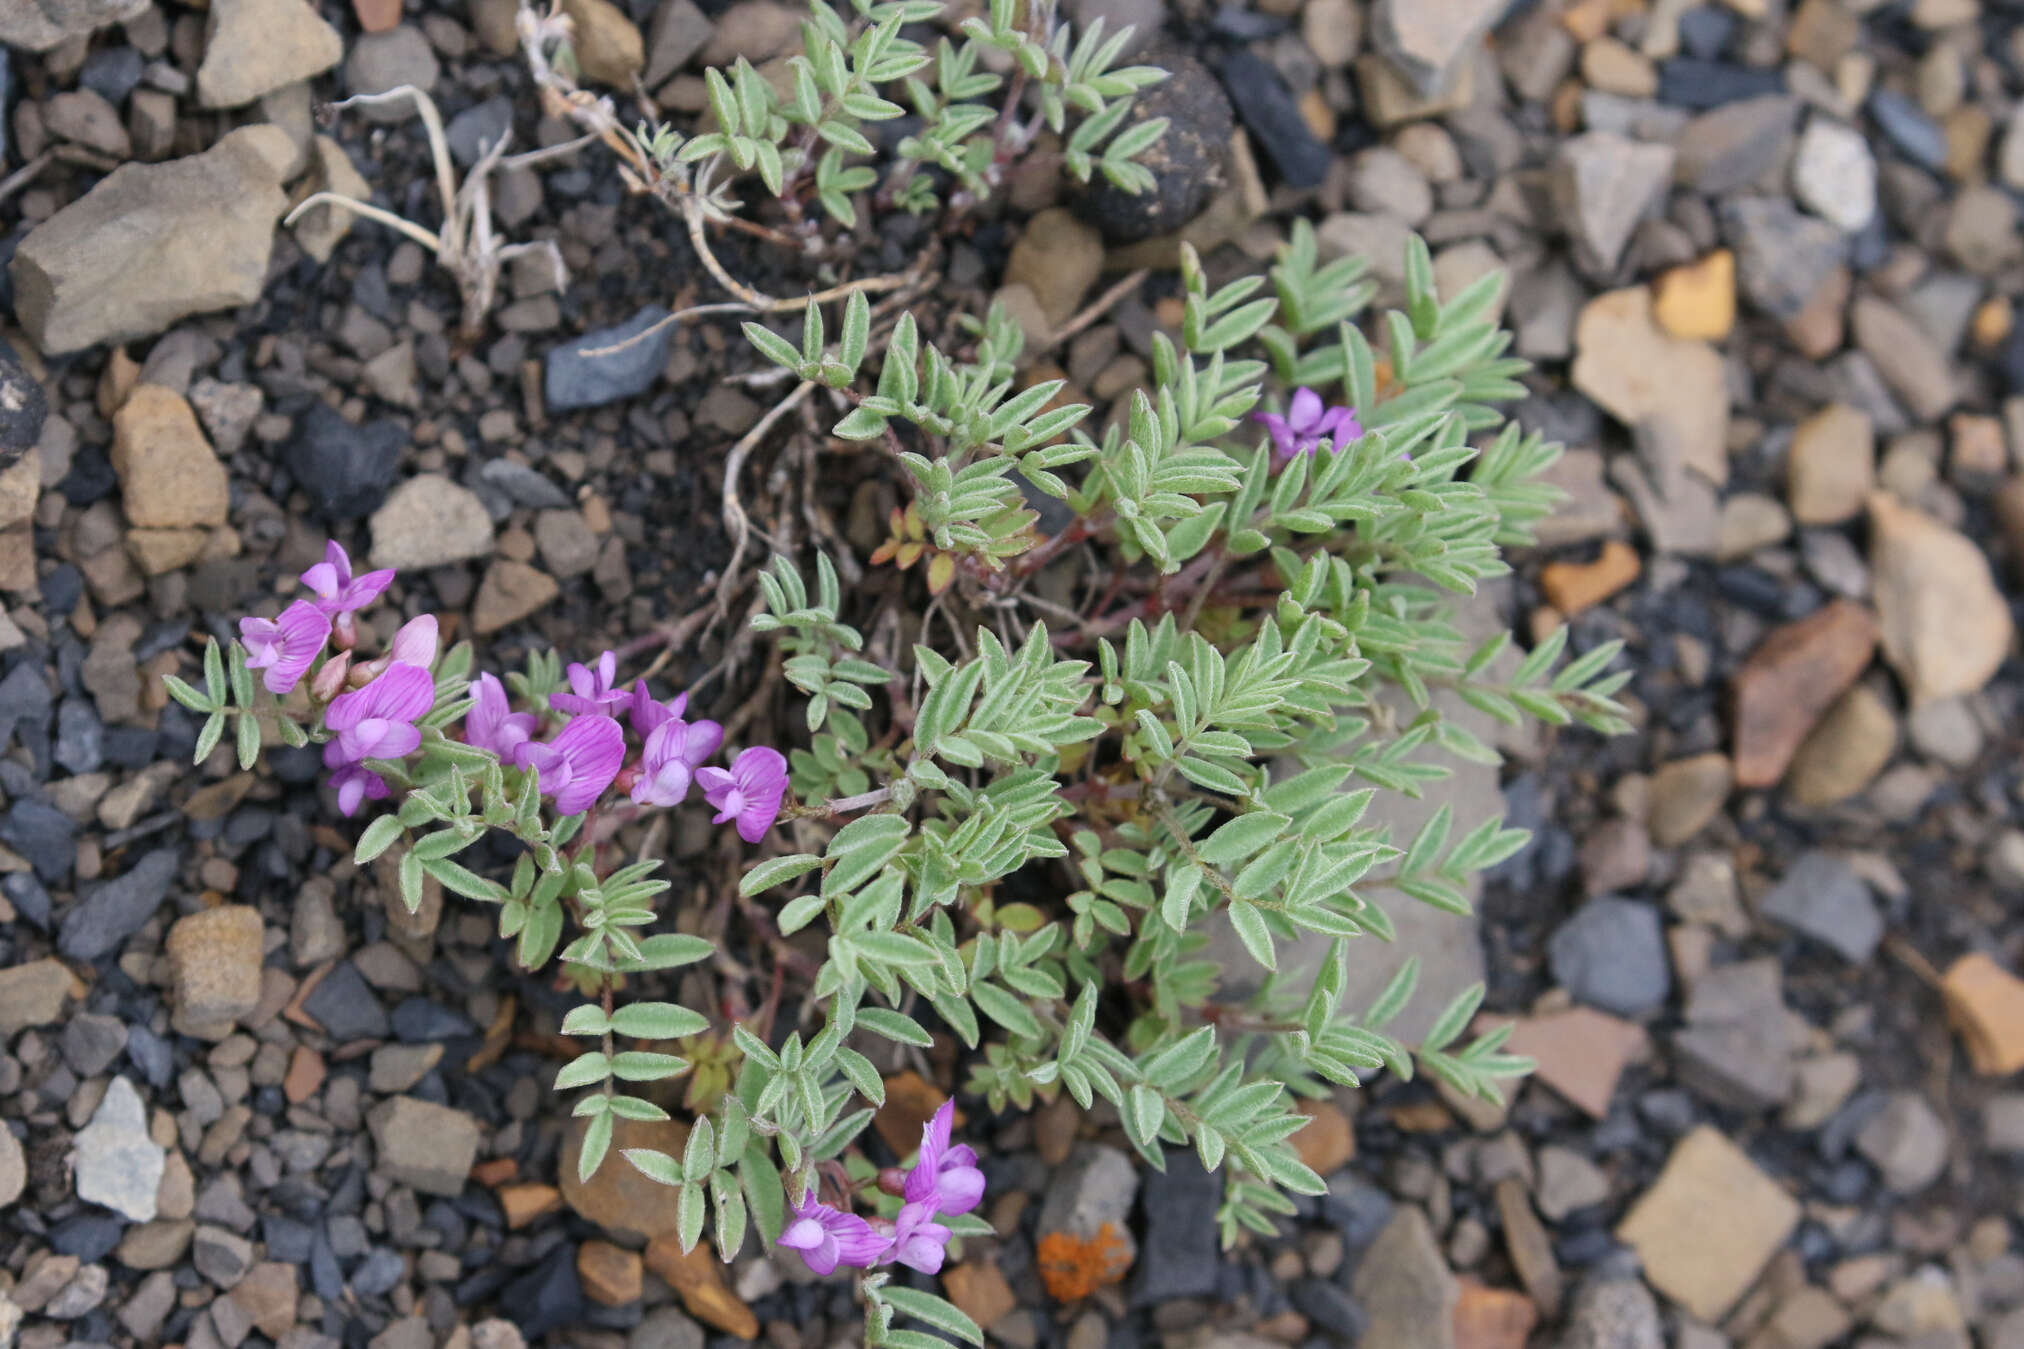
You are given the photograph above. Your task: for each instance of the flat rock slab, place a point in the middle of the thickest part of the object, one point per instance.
(1709, 1224)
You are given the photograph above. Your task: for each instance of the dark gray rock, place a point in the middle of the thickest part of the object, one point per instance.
(544, 1298)
(576, 379)
(23, 404)
(380, 1271)
(1905, 124)
(1612, 954)
(92, 1042)
(422, 1021)
(42, 834)
(90, 1236)
(1187, 163)
(1686, 82)
(522, 486)
(28, 897)
(1330, 1307)
(112, 73)
(346, 470)
(114, 910)
(1821, 897)
(477, 128)
(343, 1004)
(1268, 110)
(80, 736)
(1783, 255)
(24, 699)
(1181, 1256)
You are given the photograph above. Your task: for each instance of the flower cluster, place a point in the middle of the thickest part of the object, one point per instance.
(1307, 423)
(373, 711)
(944, 1182)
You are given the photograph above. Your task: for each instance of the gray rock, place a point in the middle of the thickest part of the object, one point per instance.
(222, 1257)
(38, 25)
(521, 486)
(477, 128)
(1737, 143)
(1782, 255)
(115, 1161)
(1613, 1314)
(1404, 1286)
(1426, 42)
(114, 910)
(1568, 1182)
(1095, 1187)
(1918, 137)
(343, 1004)
(1603, 185)
(152, 243)
(574, 378)
(1612, 954)
(42, 834)
(91, 1042)
(428, 1146)
(666, 1328)
(23, 408)
(679, 30)
(345, 469)
(1182, 1255)
(1907, 1143)
(382, 62)
(1736, 1049)
(1821, 897)
(1187, 163)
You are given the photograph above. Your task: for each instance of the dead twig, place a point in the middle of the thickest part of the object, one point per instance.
(1096, 308)
(736, 522)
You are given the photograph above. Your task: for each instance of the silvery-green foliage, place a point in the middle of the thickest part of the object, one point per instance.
(856, 69)
(1163, 776)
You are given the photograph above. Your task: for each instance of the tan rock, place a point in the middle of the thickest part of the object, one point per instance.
(168, 476)
(1790, 681)
(911, 1100)
(1750, 521)
(617, 1197)
(510, 592)
(612, 1275)
(1985, 1004)
(757, 30)
(980, 1290)
(33, 994)
(1327, 1142)
(1572, 587)
(1492, 1318)
(214, 964)
(268, 1294)
(1709, 1224)
(253, 47)
(1058, 258)
(1944, 626)
(522, 1204)
(1675, 393)
(608, 45)
(1917, 371)
(430, 521)
(320, 229)
(1831, 465)
(1686, 795)
(156, 551)
(1843, 754)
(698, 1277)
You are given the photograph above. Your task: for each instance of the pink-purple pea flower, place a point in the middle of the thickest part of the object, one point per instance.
(591, 690)
(944, 1176)
(1307, 422)
(375, 722)
(415, 643)
(337, 591)
(749, 791)
(492, 724)
(828, 1237)
(285, 646)
(674, 750)
(919, 1242)
(578, 764)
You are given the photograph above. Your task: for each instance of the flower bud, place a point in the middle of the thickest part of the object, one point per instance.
(344, 631)
(892, 1180)
(329, 681)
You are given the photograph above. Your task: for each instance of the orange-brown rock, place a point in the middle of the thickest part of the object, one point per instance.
(617, 1197)
(1790, 681)
(1326, 1142)
(911, 1100)
(1573, 586)
(1985, 1003)
(1492, 1318)
(1580, 1052)
(698, 1276)
(523, 1203)
(612, 1275)
(980, 1290)
(305, 1075)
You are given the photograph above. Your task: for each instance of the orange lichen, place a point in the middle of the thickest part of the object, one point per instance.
(1073, 1267)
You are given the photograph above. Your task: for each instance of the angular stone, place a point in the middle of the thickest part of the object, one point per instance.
(152, 243)
(609, 364)
(1736, 1049)
(1581, 1054)
(1404, 1285)
(115, 1161)
(1090, 1197)
(1907, 1142)
(1821, 897)
(38, 25)
(698, 1277)
(214, 965)
(428, 1146)
(253, 47)
(1603, 185)
(617, 1197)
(1531, 1250)
(1985, 1003)
(1737, 143)
(1709, 1224)
(168, 475)
(429, 521)
(1674, 393)
(1834, 172)
(1831, 465)
(1424, 42)
(1572, 587)
(1911, 363)
(1790, 681)
(1783, 257)
(510, 592)
(679, 30)
(1944, 625)
(1697, 301)
(612, 1276)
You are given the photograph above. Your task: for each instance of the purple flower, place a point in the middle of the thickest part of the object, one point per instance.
(378, 721)
(375, 722)
(492, 724)
(591, 690)
(673, 752)
(337, 591)
(828, 1237)
(415, 643)
(749, 791)
(578, 764)
(1307, 423)
(918, 1241)
(285, 646)
(945, 1178)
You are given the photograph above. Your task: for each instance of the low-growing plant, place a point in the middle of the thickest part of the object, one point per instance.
(1026, 830)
